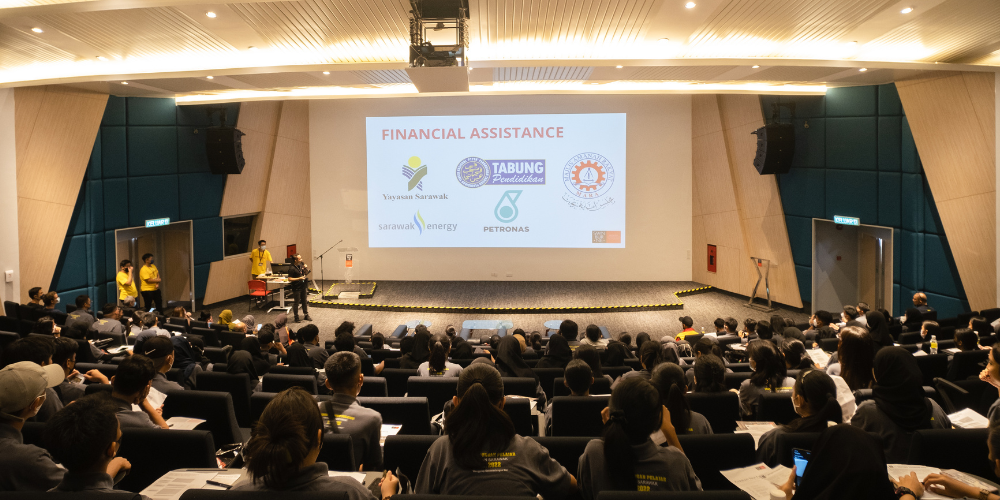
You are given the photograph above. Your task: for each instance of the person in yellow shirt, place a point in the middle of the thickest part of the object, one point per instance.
(260, 258)
(127, 291)
(687, 323)
(149, 284)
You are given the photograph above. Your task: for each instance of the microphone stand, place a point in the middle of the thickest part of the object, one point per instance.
(322, 278)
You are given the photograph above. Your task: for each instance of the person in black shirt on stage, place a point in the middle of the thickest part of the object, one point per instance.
(297, 273)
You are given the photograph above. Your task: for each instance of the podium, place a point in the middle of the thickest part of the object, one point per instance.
(350, 260)
(759, 263)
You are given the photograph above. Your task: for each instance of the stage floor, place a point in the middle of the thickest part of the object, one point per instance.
(702, 307)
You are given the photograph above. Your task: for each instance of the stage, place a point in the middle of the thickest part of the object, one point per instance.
(653, 307)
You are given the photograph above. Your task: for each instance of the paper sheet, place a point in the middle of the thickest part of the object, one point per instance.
(388, 430)
(173, 484)
(967, 479)
(758, 480)
(969, 419)
(755, 429)
(183, 423)
(819, 356)
(357, 476)
(898, 470)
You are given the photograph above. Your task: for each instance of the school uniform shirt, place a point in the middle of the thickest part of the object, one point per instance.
(993, 414)
(50, 407)
(125, 290)
(69, 391)
(450, 370)
(259, 261)
(599, 343)
(147, 273)
(363, 424)
(699, 424)
(79, 316)
(25, 467)
(97, 482)
(523, 469)
(895, 440)
(634, 373)
(318, 355)
(750, 394)
(165, 385)
(315, 477)
(110, 328)
(127, 417)
(656, 469)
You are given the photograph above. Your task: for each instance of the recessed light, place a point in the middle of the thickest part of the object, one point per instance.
(37, 30)
(251, 48)
(594, 83)
(863, 70)
(755, 66)
(852, 43)
(210, 14)
(663, 40)
(326, 72)
(210, 77)
(690, 5)
(619, 67)
(906, 10)
(102, 58)
(124, 83)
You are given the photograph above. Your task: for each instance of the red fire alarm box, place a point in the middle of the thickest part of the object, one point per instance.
(711, 258)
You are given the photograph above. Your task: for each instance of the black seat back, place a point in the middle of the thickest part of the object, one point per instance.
(721, 409)
(260, 495)
(209, 335)
(601, 386)
(234, 339)
(338, 452)
(520, 386)
(546, 376)
(437, 390)
(733, 380)
(969, 363)
(374, 387)
(566, 450)
(519, 411)
(932, 365)
(829, 345)
(395, 379)
(279, 382)
(292, 370)
(406, 453)
(154, 452)
(578, 415)
(960, 449)
(412, 413)
(776, 407)
(10, 309)
(674, 495)
(615, 371)
(216, 408)
(238, 386)
(704, 452)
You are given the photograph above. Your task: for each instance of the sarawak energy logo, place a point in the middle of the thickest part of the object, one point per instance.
(414, 172)
(418, 224)
(419, 221)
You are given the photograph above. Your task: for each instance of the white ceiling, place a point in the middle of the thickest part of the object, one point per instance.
(170, 47)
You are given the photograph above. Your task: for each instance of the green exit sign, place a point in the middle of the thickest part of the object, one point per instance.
(847, 221)
(157, 222)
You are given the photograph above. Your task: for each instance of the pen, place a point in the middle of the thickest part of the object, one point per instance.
(216, 483)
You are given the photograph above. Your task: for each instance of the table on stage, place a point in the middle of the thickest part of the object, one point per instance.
(278, 283)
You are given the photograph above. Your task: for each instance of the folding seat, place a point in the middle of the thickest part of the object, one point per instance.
(519, 411)
(215, 408)
(406, 452)
(292, 370)
(546, 376)
(721, 409)
(437, 390)
(278, 382)
(931, 366)
(338, 452)
(711, 453)
(735, 379)
(566, 450)
(374, 387)
(410, 412)
(675, 495)
(776, 407)
(238, 386)
(578, 415)
(601, 386)
(615, 371)
(209, 335)
(520, 386)
(968, 364)
(154, 452)
(959, 449)
(395, 379)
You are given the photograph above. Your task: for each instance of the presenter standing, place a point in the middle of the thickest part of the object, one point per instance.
(260, 259)
(127, 292)
(297, 273)
(149, 284)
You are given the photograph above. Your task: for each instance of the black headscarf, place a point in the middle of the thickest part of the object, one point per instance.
(837, 471)
(557, 355)
(913, 319)
(899, 391)
(242, 362)
(590, 355)
(640, 339)
(298, 356)
(460, 349)
(793, 333)
(617, 353)
(260, 361)
(509, 360)
(421, 347)
(879, 329)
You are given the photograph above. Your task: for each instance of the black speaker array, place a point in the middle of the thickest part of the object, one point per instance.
(224, 146)
(775, 148)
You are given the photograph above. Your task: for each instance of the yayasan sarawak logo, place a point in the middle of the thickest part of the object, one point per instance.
(415, 172)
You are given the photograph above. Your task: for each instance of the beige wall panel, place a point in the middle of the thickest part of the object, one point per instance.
(245, 192)
(294, 121)
(767, 237)
(705, 113)
(724, 229)
(41, 228)
(699, 271)
(259, 116)
(288, 188)
(27, 100)
(953, 124)
(966, 223)
(695, 196)
(227, 279)
(731, 264)
(710, 171)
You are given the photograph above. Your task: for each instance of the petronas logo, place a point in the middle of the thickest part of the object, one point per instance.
(419, 221)
(506, 210)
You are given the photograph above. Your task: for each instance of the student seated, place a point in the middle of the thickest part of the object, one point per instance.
(65, 357)
(965, 340)
(557, 354)
(578, 377)
(438, 365)
(946, 486)
(161, 351)
(35, 296)
(510, 364)
(991, 375)
(82, 313)
(38, 350)
(702, 347)
(898, 407)
(345, 343)
(130, 386)
(110, 326)
(482, 454)
(847, 463)
(343, 415)
(769, 374)
(814, 397)
(309, 337)
(23, 388)
(710, 374)
(625, 458)
(281, 455)
(669, 381)
(378, 341)
(590, 355)
(795, 355)
(420, 349)
(85, 437)
(650, 355)
(592, 336)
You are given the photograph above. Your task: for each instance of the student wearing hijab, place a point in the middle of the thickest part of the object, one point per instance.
(814, 397)
(482, 453)
(898, 407)
(618, 353)
(669, 381)
(241, 361)
(878, 328)
(593, 358)
(281, 330)
(298, 356)
(420, 352)
(250, 323)
(225, 318)
(701, 348)
(558, 353)
(650, 355)
(260, 361)
(769, 374)
(460, 348)
(510, 364)
(625, 458)
(912, 320)
(640, 339)
(838, 472)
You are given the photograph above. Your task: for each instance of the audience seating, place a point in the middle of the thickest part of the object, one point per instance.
(412, 413)
(395, 379)
(391, 363)
(154, 452)
(520, 386)
(255, 495)
(10, 309)
(108, 370)
(174, 329)
(674, 495)
(969, 363)
(721, 409)
(236, 385)
(712, 453)
(931, 366)
(739, 367)
(94, 388)
(209, 335)
(519, 411)
(909, 338)
(292, 370)
(378, 355)
(10, 324)
(960, 449)
(277, 382)
(216, 354)
(338, 452)
(546, 376)
(601, 386)
(566, 450)
(578, 415)
(76, 495)
(234, 339)
(615, 371)
(962, 394)
(437, 390)
(828, 345)
(216, 408)
(406, 453)
(733, 380)
(633, 363)
(991, 315)
(862, 395)
(374, 387)
(464, 497)
(776, 407)
(367, 367)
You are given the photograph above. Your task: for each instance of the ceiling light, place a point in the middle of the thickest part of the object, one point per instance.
(906, 10)
(124, 83)
(210, 77)
(619, 67)
(663, 40)
(852, 43)
(102, 58)
(252, 48)
(326, 72)
(594, 83)
(863, 70)
(690, 5)
(755, 66)
(210, 14)
(37, 30)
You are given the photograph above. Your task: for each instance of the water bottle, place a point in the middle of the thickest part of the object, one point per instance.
(934, 344)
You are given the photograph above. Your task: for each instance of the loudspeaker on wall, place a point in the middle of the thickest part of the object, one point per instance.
(224, 147)
(775, 148)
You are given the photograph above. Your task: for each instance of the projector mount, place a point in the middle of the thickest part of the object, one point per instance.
(439, 33)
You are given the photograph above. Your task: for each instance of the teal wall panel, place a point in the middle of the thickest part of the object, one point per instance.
(890, 137)
(153, 197)
(803, 192)
(115, 203)
(152, 151)
(889, 199)
(852, 193)
(94, 164)
(114, 112)
(151, 111)
(114, 162)
(888, 100)
(800, 238)
(852, 143)
(851, 101)
(810, 143)
(909, 158)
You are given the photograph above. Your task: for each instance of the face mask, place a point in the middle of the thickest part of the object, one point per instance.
(152, 261)
(263, 247)
(57, 300)
(796, 407)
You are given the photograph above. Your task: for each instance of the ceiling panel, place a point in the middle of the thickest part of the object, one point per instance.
(878, 76)
(19, 49)
(183, 84)
(280, 80)
(544, 73)
(793, 73)
(677, 73)
(340, 30)
(948, 32)
(138, 32)
(382, 76)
